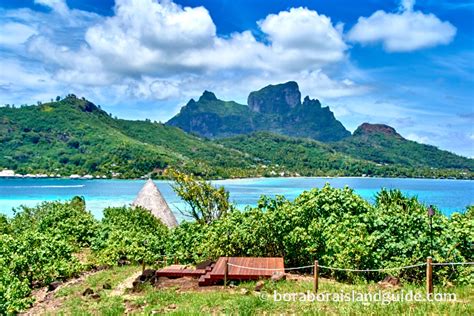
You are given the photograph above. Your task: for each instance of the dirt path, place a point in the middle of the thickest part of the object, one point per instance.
(46, 301)
(126, 284)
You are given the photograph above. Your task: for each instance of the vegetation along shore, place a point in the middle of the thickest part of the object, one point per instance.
(47, 245)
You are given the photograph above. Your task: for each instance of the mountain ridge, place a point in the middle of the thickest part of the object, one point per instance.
(274, 108)
(74, 136)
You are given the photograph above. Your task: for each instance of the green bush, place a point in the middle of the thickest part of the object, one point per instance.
(335, 226)
(32, 259)
(132, 234)
(340, 229)
(67, 221)
(5, 227)
(186, 241)
(14, 292)
(37, 247)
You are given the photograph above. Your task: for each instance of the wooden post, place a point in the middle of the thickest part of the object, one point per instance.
(165, 263)
(143, 265)
(429, 276)
(316, 285)
(226, 271)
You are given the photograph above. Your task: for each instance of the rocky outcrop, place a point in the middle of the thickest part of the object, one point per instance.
(368, 129)
(275, 108)
(275, 99)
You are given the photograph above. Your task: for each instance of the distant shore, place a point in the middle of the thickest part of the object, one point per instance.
(10, 174)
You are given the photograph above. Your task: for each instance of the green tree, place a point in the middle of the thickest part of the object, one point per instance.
(129, 233)
(206, 202)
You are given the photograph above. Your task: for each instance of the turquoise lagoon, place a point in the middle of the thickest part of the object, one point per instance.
(448, 195)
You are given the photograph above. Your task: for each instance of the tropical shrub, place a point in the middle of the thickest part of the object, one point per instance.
(206, 203)
(130, 233)
(37, 247)
(340, 229)
(461, 231)
(4, 224)
(461, 226)
(32, 259)
(67, 221)
(186, 242)
(14, 292)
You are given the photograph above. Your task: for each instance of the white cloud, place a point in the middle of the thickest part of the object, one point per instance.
(59, 6)
(403, 31)
(146, 37)
(302, 37)
(407, 5)
(12, 33)
(159, 37)
(318, 84)
(158, 50)
(418, 138)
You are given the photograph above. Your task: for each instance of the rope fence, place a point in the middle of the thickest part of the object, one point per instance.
(374, 270)
(268, 269)
(452, 263)
(429, 270)
(428, 264)
(354, 270)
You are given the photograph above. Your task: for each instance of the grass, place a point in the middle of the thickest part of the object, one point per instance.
(242, 300)
(74, 303)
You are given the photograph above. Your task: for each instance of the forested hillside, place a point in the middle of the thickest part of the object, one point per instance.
(74, 136)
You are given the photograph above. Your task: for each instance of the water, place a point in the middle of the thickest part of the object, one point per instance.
(449, 195)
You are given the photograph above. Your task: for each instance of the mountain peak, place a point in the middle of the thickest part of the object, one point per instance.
(274, 108)
(81, 104)
(280, 98)
(208, 96)
(311, 102)
(367, 129)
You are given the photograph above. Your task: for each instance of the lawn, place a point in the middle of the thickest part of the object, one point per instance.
(180, 299)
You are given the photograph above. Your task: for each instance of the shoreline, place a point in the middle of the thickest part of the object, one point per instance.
(245, 191)
(228, 179)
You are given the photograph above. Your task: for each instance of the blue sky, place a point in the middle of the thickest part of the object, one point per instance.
(403, 63)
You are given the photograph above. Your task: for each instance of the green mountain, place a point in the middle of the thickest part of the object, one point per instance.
(296, 156)
(383, 145)
(275, 108)
(307, 157)
(73, 136)
(210, 117)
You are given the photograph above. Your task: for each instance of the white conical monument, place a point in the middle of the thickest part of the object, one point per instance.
(151, 199)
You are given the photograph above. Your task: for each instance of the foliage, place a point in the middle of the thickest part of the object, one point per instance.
(37, 246)
(306, 157)
(129, 233)
(207, 203)
(186, 241)
(395, 150)
(401, 232)
(32, 259)
(340, 229)
(67, 221)
(462, 231)
(4, 224)
(14, 292)
(335, 226)
(74, 136)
